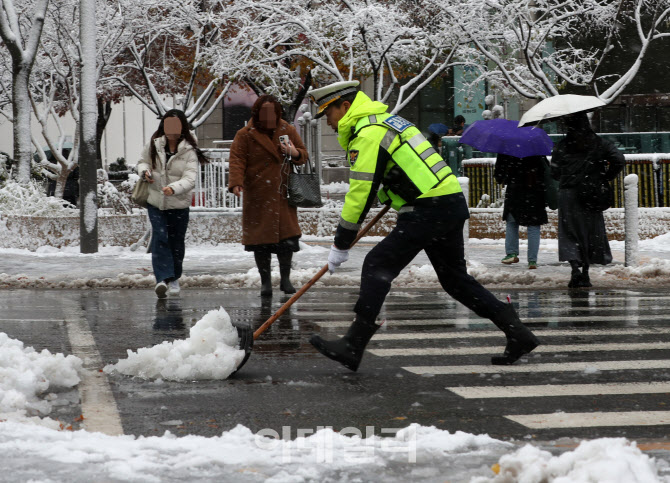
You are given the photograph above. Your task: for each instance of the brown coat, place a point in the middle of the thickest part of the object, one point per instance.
(255, 164)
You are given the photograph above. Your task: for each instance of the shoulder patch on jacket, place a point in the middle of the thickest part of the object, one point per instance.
(397, 123)
(353, 156)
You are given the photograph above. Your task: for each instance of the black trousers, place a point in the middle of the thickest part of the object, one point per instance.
(442, 238)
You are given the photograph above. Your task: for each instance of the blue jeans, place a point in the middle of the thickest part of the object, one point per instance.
(168, 231)
(512, 238)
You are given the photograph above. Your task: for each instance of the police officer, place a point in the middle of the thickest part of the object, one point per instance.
(390, 158)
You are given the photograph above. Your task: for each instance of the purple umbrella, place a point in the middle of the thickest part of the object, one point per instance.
(504, 137)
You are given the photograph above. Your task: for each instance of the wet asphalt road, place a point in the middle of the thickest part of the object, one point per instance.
(287, 384)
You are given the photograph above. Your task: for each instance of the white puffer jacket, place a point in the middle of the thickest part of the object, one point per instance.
(179, 175)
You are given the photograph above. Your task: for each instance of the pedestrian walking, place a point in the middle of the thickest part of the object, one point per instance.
(582, 237)
(524, 203)
(259, 167)
(387, 151)
(169, 163)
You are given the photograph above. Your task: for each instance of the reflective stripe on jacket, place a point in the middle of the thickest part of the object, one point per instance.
(394, 154)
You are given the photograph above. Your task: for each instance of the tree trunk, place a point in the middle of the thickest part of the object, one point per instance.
(60, 183)
(88, 186)
(292, 110)
(22, 109)
(104, 111)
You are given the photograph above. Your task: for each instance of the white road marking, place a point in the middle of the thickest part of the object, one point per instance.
(590, 420)
(479, 321)
(539, 332)
(97, 401)
(555, 390)
(554, 301)
(548, 367)
(32, 320)
(460, 351)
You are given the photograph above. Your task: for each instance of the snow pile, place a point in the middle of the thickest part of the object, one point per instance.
(615, 460)
(30, 199)
(26, 375)
(240, 455)
(336, 187)
(211, 352)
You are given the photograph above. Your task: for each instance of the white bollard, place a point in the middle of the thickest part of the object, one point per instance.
(632, 218)
(465, 186)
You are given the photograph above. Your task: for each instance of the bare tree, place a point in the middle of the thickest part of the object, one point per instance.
(281, 47)
(20, 29)
(163, 56)
(536, 49)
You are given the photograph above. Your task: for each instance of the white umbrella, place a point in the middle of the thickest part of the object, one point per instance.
(558, 106)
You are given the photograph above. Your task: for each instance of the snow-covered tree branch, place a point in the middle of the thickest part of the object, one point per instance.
(535, 49)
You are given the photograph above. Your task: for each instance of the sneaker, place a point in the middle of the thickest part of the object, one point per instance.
(173, 288)
(161, 290)
(532, 265)
(511, 258)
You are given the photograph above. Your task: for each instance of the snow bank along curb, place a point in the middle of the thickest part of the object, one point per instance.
(212, 228)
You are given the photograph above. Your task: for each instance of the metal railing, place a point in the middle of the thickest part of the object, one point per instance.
(211, 184)
(653, 174)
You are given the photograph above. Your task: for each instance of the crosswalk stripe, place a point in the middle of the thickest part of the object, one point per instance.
(522, 302)
(478, 320)
(461, 351)
(547, 390)
(548, 367)
(628, 311)
(540, 332)
(61, 320)
(594, 419)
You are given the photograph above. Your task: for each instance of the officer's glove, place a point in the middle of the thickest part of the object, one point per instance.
(336, 258)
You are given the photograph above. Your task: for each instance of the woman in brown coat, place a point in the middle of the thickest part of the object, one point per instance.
(259, 166)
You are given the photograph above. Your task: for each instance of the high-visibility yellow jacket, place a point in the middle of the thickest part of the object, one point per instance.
(384, 150)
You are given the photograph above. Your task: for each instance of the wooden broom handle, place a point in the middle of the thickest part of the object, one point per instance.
(316, 277)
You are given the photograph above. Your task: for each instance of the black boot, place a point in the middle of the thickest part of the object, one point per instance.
(285, 270)
(348, 350)
(263, 264)
(520, 340)
(585, 280)
(576, 276)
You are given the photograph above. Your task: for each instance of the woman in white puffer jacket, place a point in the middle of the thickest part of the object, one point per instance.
(170, 164)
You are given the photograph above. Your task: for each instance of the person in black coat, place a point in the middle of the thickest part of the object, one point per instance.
(524, 203)
(582, 238)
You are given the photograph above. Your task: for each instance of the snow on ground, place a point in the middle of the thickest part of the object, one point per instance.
(612, 460)
(415, 453)
(29, 379)
(210, 352)
(229, 266)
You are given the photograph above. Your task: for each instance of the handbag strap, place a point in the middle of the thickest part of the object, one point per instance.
(307, 168)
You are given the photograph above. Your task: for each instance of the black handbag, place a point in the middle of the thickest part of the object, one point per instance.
(304, 186)
(595, 192)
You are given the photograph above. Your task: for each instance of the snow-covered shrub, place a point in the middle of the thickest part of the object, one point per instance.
(111, 197)
(484, 202)
(4, 171)
(30, 199)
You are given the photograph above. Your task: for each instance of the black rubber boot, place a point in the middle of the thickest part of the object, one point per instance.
(263, 264)
(285, 270)
(348, 350)
(520, 340)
